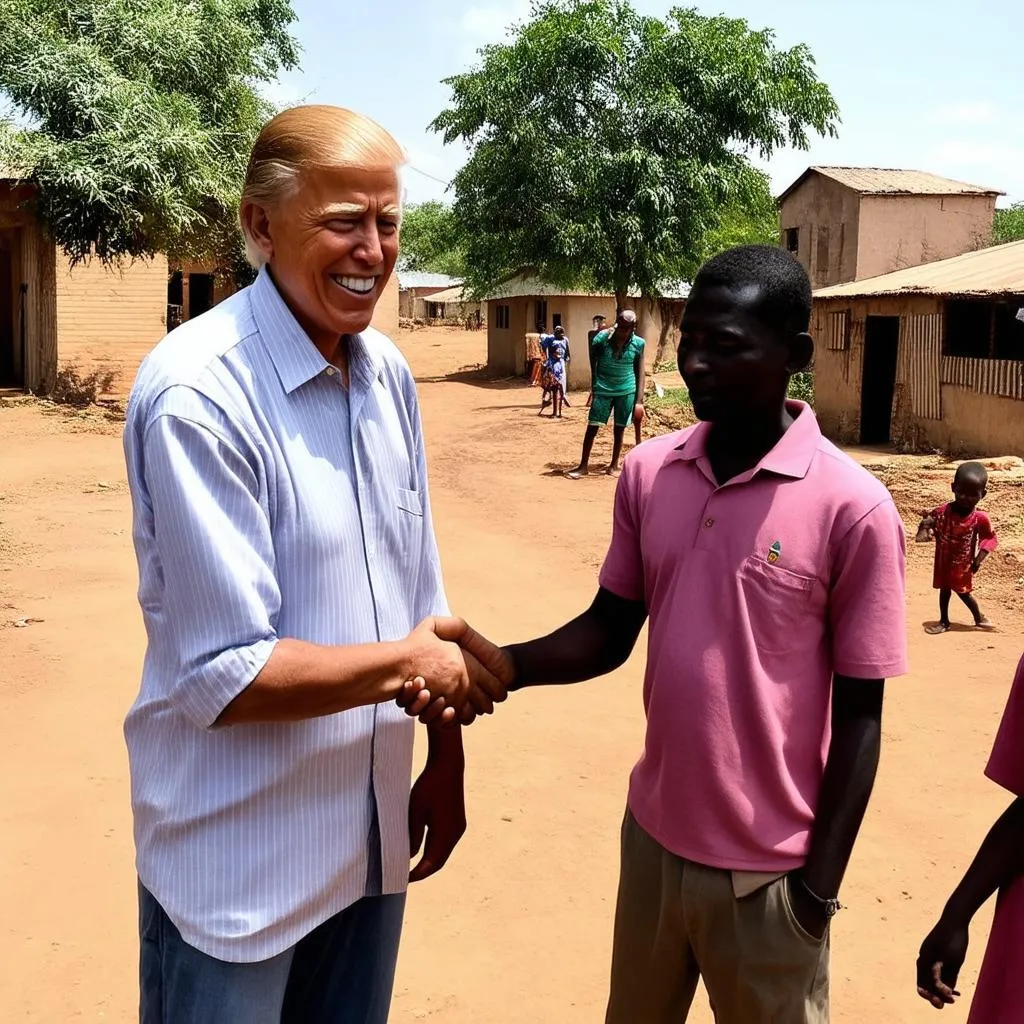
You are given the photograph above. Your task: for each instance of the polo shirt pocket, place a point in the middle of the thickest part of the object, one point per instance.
(777, 603)
(410, 520)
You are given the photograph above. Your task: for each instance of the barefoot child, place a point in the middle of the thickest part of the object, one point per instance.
(999, 864)
(964, 538)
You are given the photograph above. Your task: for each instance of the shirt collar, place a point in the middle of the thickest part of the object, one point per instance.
(791, 455)
(296, 359)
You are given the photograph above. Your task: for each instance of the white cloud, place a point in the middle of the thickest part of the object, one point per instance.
(972, 112)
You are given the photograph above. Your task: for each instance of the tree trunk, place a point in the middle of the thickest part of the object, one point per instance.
(666, 310)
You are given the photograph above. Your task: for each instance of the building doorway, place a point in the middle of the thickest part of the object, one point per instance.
(10, 335)
(200, 294)
(878, 378)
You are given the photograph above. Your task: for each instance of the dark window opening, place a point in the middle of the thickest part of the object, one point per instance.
(501, 318)
(556, 320)
(968, 328)
(175, 289)
(542, 315)
(1008, 330)
(791, 239)
(200, 294)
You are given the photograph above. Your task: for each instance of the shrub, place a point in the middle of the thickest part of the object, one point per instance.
(75, 388)
(801, 387)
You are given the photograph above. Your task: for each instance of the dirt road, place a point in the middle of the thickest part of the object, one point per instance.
(516, 930)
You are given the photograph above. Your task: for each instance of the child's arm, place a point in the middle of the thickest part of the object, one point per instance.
(987, 541)
(999, 861)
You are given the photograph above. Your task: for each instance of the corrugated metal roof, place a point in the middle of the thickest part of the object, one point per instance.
(891, 181)
(420, 279)
(456, 294)
(998, 270)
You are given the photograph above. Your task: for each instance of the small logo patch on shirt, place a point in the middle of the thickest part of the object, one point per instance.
(774, 552)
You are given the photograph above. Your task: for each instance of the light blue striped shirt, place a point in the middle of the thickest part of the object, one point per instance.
(269, 501)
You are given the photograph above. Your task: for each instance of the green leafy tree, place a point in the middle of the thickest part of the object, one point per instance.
(432, 239)
(1008, 225)
(134, 118)
(753, 220)
(605, 144)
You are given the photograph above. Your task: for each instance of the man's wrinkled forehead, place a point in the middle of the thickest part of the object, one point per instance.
(352, 191)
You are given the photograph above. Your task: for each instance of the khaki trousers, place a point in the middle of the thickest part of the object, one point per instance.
(677, 921)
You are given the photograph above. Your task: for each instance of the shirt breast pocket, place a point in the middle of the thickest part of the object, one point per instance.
(410, 521)
(781, 606)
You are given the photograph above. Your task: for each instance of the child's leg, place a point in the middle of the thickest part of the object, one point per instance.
(943, 624)
(618, 433)
(972, 605)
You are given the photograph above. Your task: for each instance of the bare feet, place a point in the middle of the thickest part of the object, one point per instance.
(937, 629)
(612, 471)
(985, 625)
(578, 473)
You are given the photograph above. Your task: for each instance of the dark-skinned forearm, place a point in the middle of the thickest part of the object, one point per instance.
(847, 783)
(593, 644)
(999, 861)
(444, 744)
(641, 379)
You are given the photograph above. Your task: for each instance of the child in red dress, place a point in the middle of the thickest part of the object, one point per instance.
(999, 864)
(964, 538)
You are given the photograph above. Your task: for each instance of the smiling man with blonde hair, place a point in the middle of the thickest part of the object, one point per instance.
(290, 584)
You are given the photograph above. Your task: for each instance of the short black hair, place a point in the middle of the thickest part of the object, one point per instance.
(783, 283)
(973, 472)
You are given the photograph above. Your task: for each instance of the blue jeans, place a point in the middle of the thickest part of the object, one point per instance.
(341, 973)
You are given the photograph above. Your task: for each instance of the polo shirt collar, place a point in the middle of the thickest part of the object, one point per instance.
(296, 359)
(791, 455)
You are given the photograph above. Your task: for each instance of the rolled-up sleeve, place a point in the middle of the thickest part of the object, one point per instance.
(219, 599)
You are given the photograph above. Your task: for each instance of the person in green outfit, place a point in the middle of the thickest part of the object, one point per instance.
(617, 373)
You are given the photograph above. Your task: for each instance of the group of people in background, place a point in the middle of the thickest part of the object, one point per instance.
(617, 381)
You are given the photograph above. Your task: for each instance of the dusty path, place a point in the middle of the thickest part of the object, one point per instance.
(516, 930)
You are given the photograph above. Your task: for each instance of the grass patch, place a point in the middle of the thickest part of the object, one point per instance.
(666, 366)
(672, 399)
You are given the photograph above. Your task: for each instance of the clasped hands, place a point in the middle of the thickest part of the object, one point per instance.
(458, 674)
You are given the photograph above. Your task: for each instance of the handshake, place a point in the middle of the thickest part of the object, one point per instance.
(455, 673)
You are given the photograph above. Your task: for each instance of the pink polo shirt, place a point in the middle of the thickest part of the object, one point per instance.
(758, 591)
(997, 997)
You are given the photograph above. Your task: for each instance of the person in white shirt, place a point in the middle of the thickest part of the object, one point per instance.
(290, 584)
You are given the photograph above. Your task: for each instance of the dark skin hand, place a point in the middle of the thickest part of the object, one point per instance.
(593, 644)
(437, 804)
(845, 789)
(998, 863)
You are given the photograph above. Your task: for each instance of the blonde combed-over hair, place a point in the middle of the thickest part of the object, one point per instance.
(308, 137)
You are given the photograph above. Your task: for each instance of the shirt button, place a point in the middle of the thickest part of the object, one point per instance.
(709, 522)
(331, 371)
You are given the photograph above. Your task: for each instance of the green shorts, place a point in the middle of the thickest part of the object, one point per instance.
(602, 405)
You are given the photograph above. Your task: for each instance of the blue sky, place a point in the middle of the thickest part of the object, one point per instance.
(923, 84)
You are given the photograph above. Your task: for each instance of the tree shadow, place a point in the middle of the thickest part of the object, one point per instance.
(476, 376)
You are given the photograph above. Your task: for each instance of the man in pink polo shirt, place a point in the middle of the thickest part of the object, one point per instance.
(772, 568)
